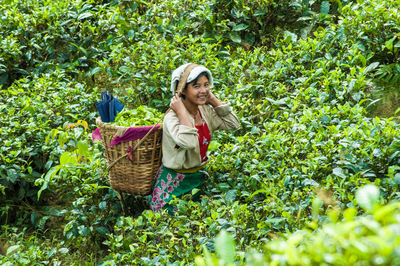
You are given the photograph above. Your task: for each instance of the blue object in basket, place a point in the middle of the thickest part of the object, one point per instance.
(109, 107)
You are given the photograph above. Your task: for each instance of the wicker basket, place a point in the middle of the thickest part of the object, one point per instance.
(126, 176)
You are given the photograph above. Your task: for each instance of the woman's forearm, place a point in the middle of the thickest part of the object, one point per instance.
(213, 100)
(184, 118)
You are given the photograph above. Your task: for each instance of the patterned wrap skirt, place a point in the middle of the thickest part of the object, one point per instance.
(169, 183)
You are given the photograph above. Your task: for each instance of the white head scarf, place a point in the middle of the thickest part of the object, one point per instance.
(192, 76)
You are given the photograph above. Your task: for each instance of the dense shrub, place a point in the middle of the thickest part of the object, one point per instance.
(356, 240)
(299, 74)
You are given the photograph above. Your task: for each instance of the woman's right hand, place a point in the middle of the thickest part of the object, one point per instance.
(179, 108)
(176, 104)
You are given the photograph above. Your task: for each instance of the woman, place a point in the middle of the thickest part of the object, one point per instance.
(195, 113)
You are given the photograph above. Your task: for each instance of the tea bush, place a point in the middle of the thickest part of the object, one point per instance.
(31, 109)
(299, 74)
(370, 240)
(377, 37)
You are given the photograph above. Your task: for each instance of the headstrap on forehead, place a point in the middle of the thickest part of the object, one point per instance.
(184, 77)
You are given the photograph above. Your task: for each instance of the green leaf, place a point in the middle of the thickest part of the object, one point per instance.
(296, 5)
(377, 152)
(195, 191)
(230, 196)
(85, 15)
(93, 71)
(83, 148)
(389, 43)
(249, 38)
(83, 50)
(63, 250)
(290, 37)
(240, 27)
(22, 71)
(68, 157)
(225, 247)
(235, 37)
(266, 192)
(3, 78)
(316, 205)
(367, 197)
(370, 67)
(325, 6)
(53, 171)
(396, 179)
(103, 205)
(131, 33)
(214, 145)
(62, 139)
(11, 250)
(260, 12)
(102, 230)
(48, 164)
(12, 175)
(51, 252)
(338, 172)
(34, 218)
(82, 230)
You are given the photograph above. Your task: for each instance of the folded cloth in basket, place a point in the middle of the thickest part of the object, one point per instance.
(125, 134)
(96, 135)
(132, 133)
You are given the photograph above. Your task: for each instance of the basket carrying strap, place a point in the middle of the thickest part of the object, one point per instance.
(181, 85)
(132, 150)
(184, 76)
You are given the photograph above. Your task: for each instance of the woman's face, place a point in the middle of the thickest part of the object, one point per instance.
(197, 92)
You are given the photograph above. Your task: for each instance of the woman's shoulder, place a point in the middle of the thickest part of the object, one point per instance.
(170, 118)
(206, 108)
(170, 115)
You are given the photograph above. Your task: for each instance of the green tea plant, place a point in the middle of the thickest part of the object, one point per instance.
(24, 248)
(300, 75)
(32, 109)
(345, 238)
(139, 117)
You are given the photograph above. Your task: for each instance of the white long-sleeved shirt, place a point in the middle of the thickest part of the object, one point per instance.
(180, 145)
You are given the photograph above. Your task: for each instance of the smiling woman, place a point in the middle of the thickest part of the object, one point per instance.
(195, 113)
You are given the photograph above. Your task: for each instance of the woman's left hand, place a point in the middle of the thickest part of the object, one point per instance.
(211, 99)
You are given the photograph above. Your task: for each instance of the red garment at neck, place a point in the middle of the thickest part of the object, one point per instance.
(204, 139)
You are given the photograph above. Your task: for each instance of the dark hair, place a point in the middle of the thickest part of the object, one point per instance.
(204, 73)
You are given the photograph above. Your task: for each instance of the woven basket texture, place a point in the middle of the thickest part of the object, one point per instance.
(126, 176)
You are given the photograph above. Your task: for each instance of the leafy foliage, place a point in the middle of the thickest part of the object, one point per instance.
(139, 117)
(368, 240)
(299, 74)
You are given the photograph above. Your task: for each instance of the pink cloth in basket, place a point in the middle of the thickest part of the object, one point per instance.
(96, 135)
(132, 133)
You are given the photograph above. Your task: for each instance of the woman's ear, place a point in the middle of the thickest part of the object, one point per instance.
(182, 93)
